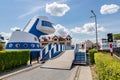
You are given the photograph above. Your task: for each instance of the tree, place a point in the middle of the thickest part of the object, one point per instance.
(0, 37)
(1, 46)
(116, 36)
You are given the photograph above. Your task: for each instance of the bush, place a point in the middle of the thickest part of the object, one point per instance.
(91, 56)
(108, 68)
(13, 59)
(1, 47)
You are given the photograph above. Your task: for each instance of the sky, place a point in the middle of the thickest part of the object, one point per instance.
(68, 16)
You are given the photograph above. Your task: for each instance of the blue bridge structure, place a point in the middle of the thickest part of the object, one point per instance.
(28, 39)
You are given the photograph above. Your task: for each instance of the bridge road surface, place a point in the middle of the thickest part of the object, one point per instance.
(43, 74)
(64, 61)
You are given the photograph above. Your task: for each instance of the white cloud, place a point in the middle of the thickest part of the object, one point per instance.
(62, 1)
(33, 10)
(15, 28)
(88, 28)
(5, 35)
(75, 40)
(56, 9)
(109, 9)
(59, 29)
(94, 39)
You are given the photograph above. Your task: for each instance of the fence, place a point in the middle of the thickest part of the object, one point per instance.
(116, 51)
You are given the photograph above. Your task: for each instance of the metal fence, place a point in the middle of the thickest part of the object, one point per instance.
(116, 51)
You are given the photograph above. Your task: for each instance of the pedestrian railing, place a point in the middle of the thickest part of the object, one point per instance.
(51, 51)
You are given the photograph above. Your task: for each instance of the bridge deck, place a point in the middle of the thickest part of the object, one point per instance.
(64, 61)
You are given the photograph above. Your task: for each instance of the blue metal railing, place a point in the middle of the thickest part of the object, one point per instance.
(51, 51)
(79, 57)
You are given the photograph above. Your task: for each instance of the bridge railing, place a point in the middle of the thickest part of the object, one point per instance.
(44, 52)
(51, 51)
(56, 50)
(76, 49)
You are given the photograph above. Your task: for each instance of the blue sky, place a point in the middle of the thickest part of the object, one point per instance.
(69, 16)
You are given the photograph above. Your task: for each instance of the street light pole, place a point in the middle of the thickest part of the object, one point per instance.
(95, 27)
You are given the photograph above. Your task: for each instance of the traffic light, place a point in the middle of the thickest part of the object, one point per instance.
(110, 37)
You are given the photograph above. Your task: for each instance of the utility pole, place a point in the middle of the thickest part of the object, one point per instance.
(94, 15)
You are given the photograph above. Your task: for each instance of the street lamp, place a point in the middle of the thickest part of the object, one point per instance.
(94, 15)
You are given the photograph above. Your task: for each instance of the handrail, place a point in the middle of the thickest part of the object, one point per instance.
(45, 48)
(53, 49)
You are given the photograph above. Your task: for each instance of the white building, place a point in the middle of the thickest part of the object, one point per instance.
(105, 45)
(87, 44)
(118, 43)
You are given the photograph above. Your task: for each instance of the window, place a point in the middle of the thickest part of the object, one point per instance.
(68, 44)
(46, 23)
(38, 45)
(102, 45)
(55, 39)
(44, 43)
(17, 45)
(68, 39)
(35, 38)
(10, 45)
(55, 43)
(62, 43)
(25, 45)
(33, 45)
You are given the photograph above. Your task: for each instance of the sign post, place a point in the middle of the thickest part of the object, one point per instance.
(110, 40)
(111, 49)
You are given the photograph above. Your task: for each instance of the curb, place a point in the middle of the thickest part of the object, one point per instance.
(26, 68)
(74, 74)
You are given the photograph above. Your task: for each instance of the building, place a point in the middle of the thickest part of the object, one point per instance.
(87, 44)
(118, 43)
(95, 45)
(105, 45)
(65, 40)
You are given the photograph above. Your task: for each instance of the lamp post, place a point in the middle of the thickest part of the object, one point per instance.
(94, 15)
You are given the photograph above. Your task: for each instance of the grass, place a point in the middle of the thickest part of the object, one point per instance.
(93, 67)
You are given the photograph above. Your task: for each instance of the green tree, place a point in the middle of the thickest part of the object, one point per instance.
(1, 46)
(116, 36)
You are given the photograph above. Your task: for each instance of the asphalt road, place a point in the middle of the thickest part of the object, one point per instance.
(43, 74)
(81, 73)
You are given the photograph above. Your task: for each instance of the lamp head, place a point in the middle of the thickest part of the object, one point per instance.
(92, 11)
